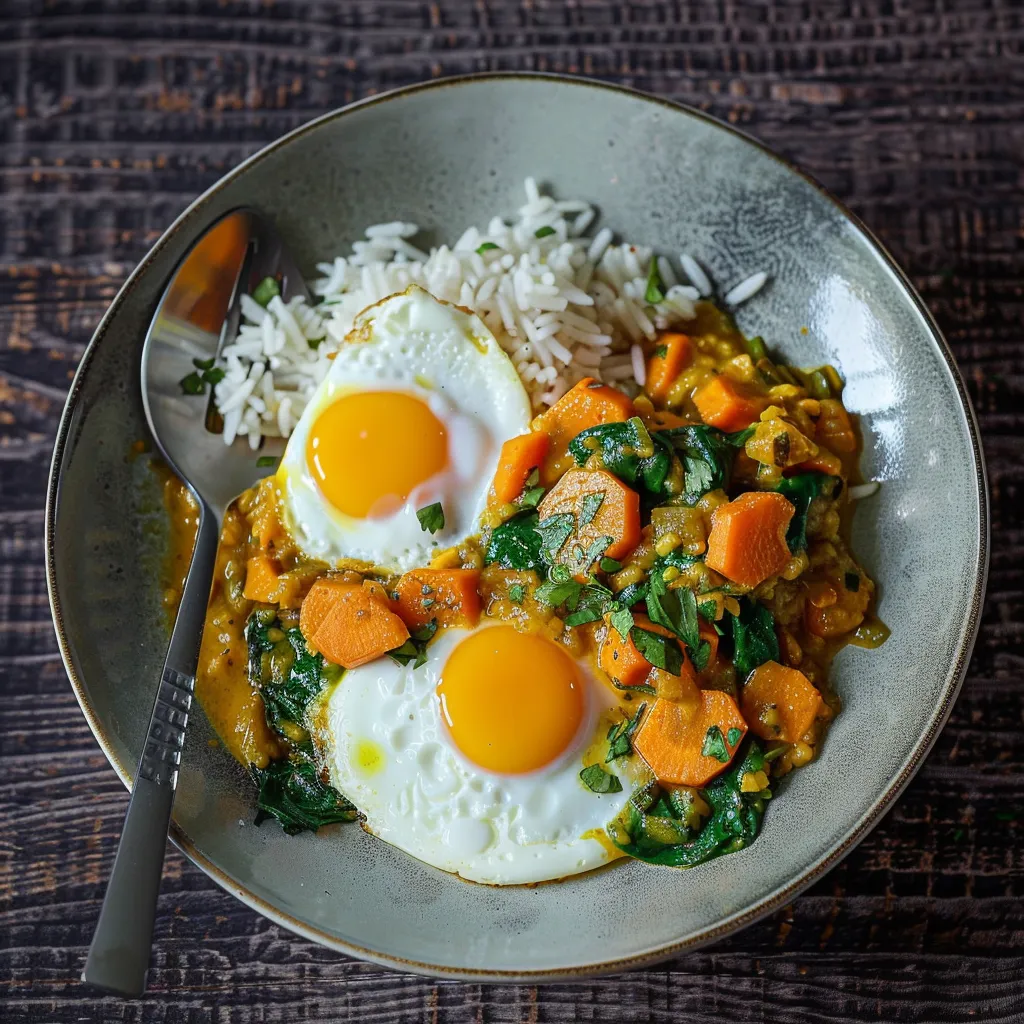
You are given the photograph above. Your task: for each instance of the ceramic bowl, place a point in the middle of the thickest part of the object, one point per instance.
(446, 155)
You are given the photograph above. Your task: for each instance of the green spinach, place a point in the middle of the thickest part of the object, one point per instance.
(293, 792)
(801, 490)
(753, 637)
(637, 457)
(654, 827)
(516, 544)
(707, 456)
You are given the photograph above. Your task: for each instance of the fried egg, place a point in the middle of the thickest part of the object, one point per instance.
(471, 762)
(414, 410)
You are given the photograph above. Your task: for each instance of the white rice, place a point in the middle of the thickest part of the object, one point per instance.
(563, 306)
(745, 289)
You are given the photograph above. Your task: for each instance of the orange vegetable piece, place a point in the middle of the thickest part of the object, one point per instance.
(621, 660)
(747, 543)
(261, 579)
(588, 404)
(672, 736)
(729, 405)
(662, 370)
(823, 462)
(842, 615)
(449, 595)
(377, 590)
(347, 624)
(780, 703)
(617, 516)
(835, 428)
(519, 457)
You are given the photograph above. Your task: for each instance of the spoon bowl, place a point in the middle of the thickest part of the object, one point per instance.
(196, 317)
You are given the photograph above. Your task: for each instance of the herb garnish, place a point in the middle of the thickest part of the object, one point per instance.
(707, 456)
(266, 461)
(620, 736)
(622, 622)
(544, 231)
(801, 490)
(415, 648)
(597, 780)
(515, 544)
(485, 247)
(431, 517)
(555, 531)
(609, 565)
(715, 746)
(661, 651)
(661, 351)
(676, 610)
(655, 290)
(590, 506)
(266, 290)
(628, 450)
(195, 383)
(516, 593)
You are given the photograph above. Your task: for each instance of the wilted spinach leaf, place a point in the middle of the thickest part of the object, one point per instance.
(753, 637)
(707, 456)
(628, 450)
(801, 490)
(651, 827)
(597, 780)
(293, 792)
(516, 544)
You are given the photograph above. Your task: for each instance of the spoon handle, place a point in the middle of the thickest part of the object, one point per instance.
(119, 954)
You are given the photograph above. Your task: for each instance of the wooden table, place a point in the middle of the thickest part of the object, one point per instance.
(114, 115)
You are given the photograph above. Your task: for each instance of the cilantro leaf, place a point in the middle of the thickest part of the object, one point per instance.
(544, 231)
(661, 351)
(733, 736)
(516, 593)
(266, 461)
(431, 517)
(597, 780)
(485, 247)
(610, 565)
(707, 456)
(620, 736)
(192, 384)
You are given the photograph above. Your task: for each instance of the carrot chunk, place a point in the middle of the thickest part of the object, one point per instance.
(747, 543)
(780, 703)
(671, 356)
(686, 745)
(621, 660)
(835, 428)
(588, 404)
(449, 595)
(728, 405)
(261, 579)
(519, 457)
(601, 506)
(347, 624)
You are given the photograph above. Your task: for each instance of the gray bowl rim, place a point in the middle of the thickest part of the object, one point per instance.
(734, 922)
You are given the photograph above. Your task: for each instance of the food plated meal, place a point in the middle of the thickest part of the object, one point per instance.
(554, 564)
(665, 178)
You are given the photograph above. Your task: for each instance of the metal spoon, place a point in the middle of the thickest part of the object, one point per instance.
(197, 315)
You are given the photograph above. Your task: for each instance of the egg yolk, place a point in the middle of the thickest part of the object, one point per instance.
(512, 701)
(369, 451)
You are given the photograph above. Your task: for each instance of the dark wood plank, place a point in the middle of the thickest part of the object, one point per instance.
(114, 115)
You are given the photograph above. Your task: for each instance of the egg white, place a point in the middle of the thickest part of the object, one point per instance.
(447, 357)
(388, 750)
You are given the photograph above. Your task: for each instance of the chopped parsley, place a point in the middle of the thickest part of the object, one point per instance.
(676, 610)
(516, 593)
(431, 517)
(661, 352)
(610, 565)
(661, 651)
(622, 622)
(801, 490)
(555, 531)
(590, 506)
(485, 247)
(415, 648)
(266, 461)
(544, 231)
